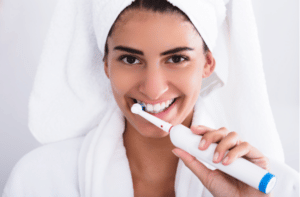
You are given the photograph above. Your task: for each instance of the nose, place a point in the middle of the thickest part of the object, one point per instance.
(154, 83)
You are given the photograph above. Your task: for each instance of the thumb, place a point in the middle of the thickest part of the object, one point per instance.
(198, 168)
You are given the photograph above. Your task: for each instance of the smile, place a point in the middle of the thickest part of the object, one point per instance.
(156, 108)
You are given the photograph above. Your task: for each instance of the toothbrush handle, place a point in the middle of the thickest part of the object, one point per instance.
(241, 169)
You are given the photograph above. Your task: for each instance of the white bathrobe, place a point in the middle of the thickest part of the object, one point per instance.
(52, 171)
(73, 113)
(60, 168)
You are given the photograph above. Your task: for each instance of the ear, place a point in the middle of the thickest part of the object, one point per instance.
(106, 67)
(209, 66)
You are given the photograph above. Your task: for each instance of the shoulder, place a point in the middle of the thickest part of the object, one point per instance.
(53, 152)
(49, 168)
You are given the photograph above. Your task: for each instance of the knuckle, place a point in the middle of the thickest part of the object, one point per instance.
(223, 128)
(233, 135)
(246, 145)
(225, 133)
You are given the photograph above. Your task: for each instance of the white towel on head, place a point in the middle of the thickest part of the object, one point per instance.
(72, 95)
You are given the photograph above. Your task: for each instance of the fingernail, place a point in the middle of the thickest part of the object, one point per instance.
(202, 143)
(216, 156)
(225, 160)
(175, 153)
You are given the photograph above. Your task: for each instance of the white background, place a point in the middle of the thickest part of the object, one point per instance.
(23, 27)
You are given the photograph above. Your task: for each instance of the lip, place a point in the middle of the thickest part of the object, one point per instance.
(155, 102)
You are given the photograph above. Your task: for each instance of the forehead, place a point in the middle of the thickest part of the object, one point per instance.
(147, 28)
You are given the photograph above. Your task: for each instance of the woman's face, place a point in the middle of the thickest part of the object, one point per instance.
(157, 59)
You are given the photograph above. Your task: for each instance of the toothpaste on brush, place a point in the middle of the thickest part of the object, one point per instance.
(241, 169)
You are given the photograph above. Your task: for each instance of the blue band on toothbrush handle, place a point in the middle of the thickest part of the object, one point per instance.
(264, 182)
(143, 106)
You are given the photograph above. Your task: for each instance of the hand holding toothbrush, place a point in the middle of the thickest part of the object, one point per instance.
(217, 182)
(250, 171)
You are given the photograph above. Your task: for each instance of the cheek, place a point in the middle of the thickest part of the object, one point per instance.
(196, 81)
(189, 81)
(121, 81)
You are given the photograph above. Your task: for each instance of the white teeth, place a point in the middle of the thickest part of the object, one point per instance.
(156, 108)
(149, 107)
(159, 107)
(162, 106)
(168, 103)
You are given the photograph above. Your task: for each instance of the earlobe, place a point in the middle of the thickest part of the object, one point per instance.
(106, 67)
(209, 66)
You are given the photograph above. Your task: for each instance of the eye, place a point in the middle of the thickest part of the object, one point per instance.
(129, 59)
(175, 59)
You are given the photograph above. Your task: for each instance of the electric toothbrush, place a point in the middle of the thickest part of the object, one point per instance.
(241, 169)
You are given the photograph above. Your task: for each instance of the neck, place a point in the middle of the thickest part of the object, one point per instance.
(150, 157)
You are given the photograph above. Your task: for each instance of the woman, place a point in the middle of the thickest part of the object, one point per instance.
(153, 53)
(147, 53)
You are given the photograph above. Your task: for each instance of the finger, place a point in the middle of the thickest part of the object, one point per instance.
(200, 129)
(212, 137)
(227, 143)
(248, 152)
(199, 169)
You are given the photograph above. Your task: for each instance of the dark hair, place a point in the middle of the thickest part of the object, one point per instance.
(161, 6)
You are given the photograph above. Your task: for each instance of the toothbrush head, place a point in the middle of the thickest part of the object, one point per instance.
(136, 108)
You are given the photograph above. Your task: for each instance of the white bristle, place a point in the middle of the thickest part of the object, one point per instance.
(136, 108)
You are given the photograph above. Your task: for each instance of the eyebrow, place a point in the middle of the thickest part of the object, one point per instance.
(129, 50)
(135, 51)
(176, 50)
